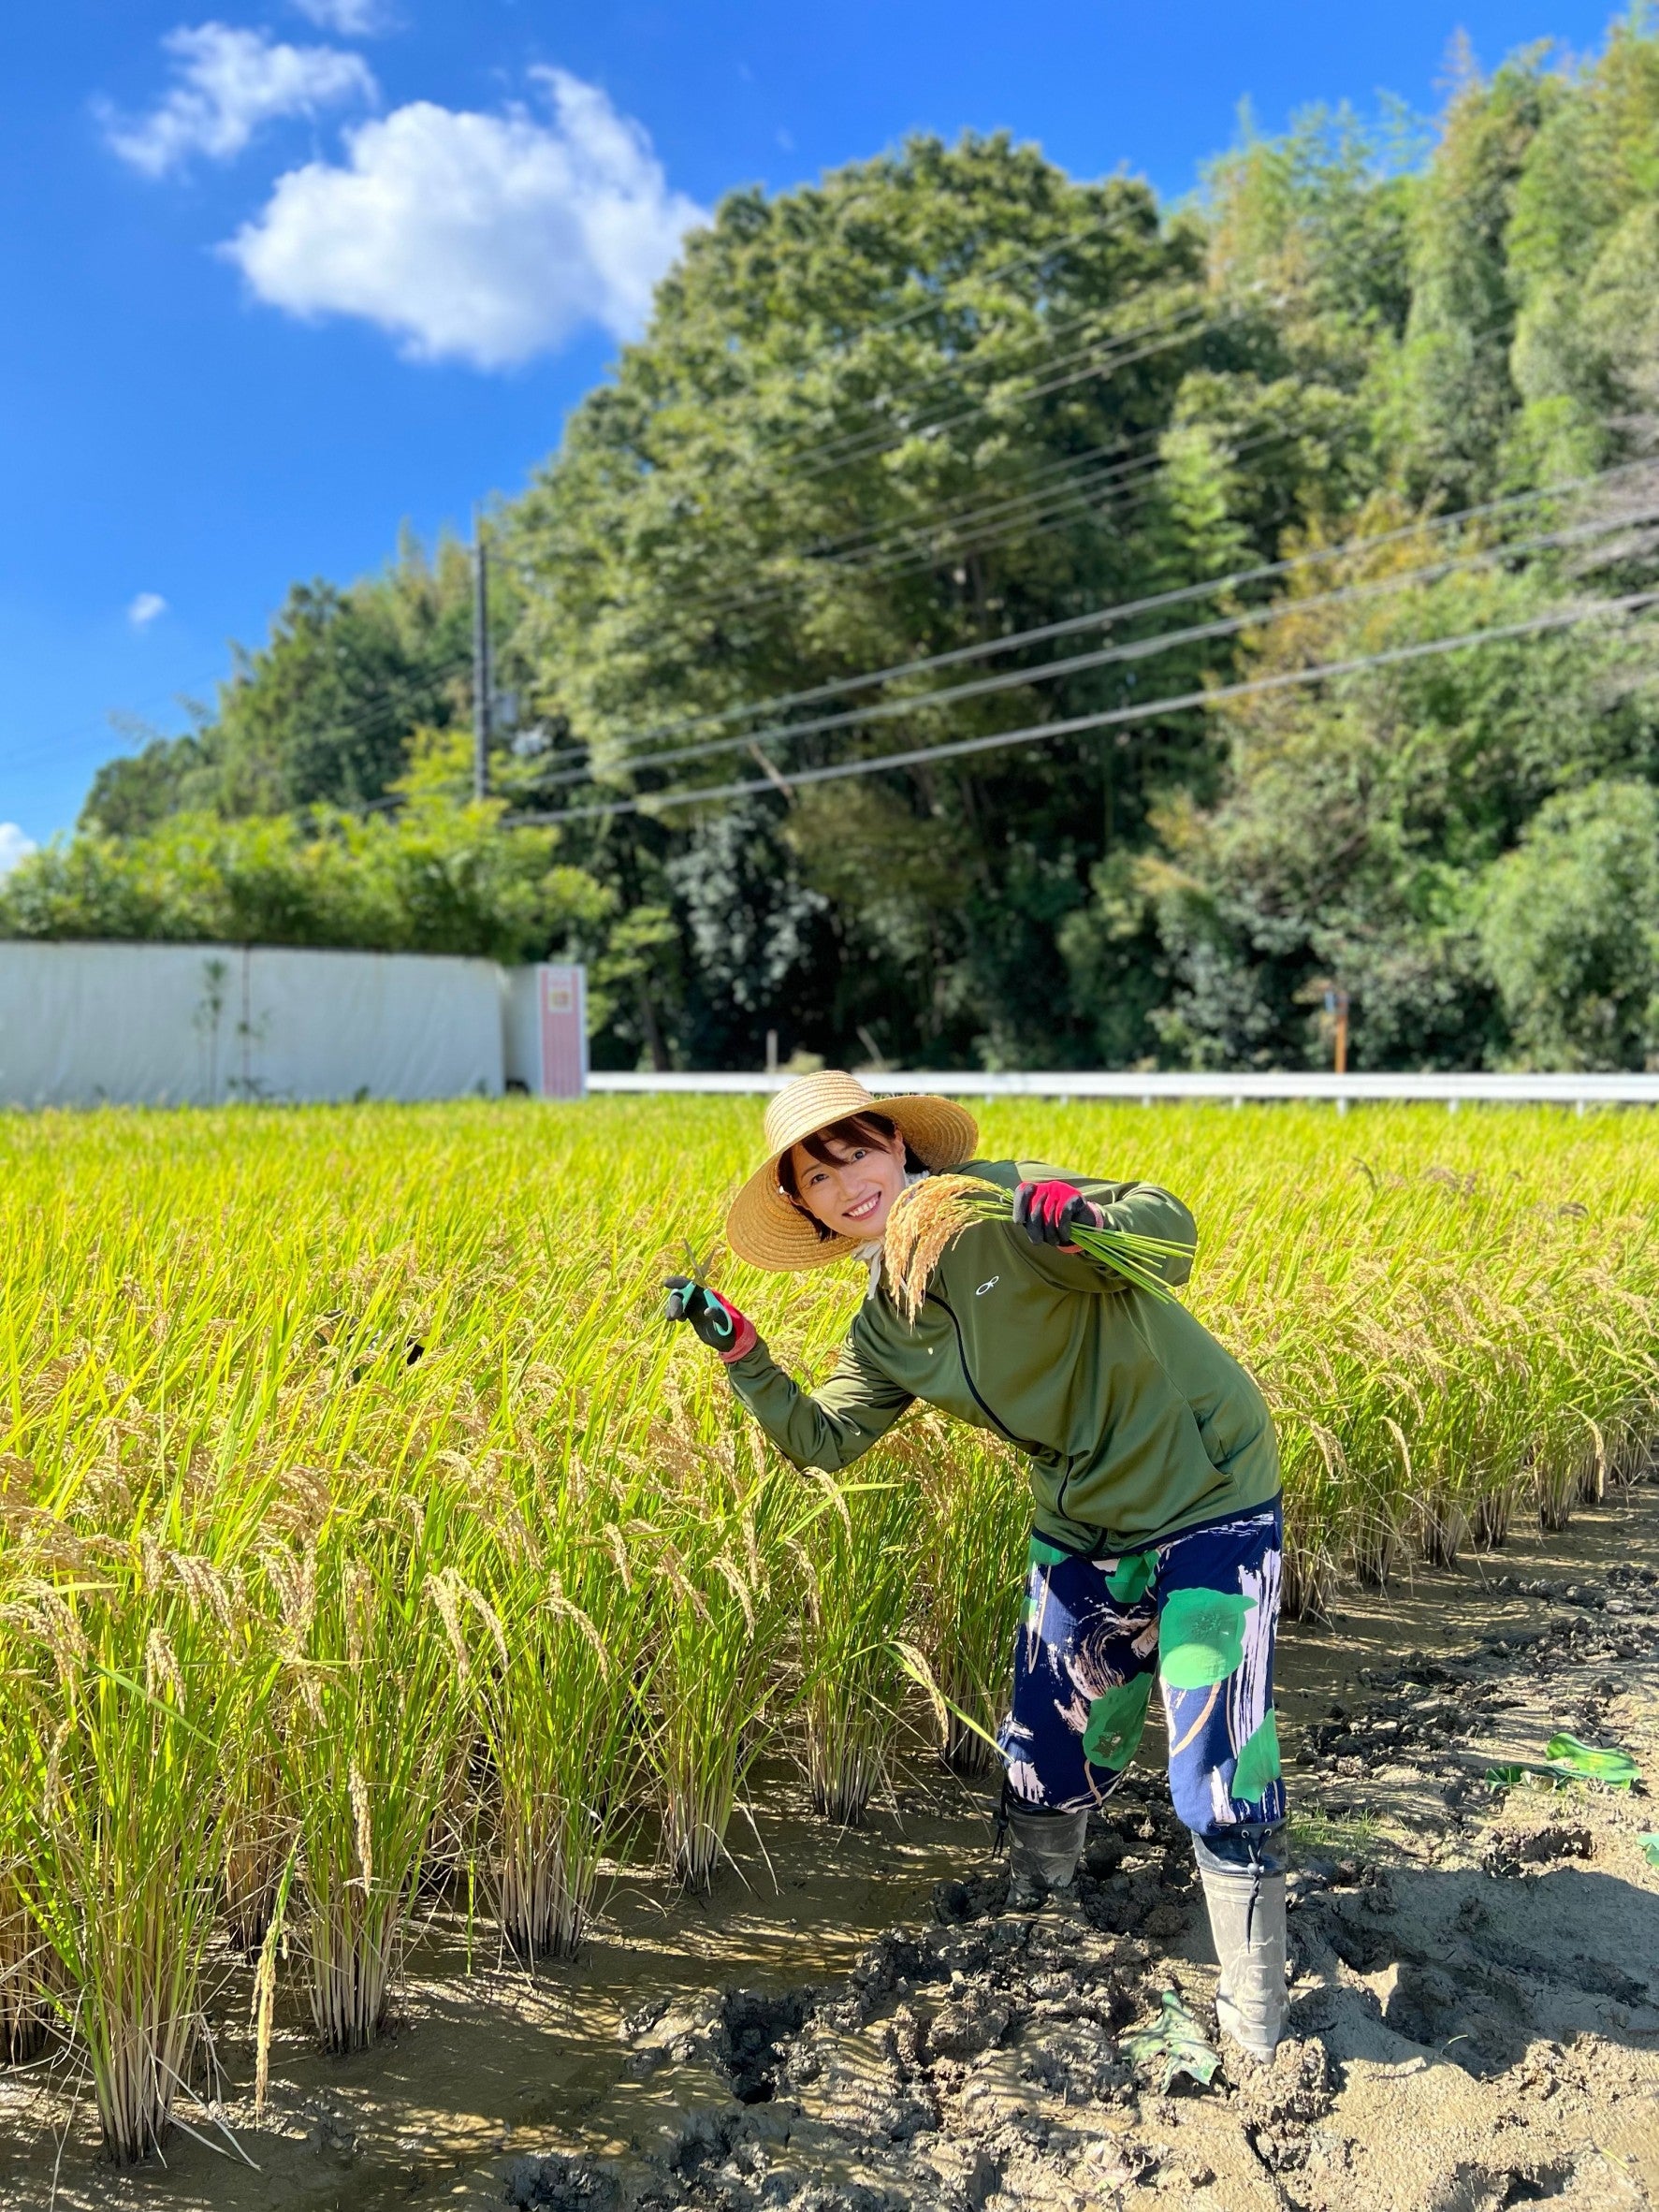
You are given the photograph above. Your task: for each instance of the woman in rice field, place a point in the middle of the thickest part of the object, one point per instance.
(1155, 1549)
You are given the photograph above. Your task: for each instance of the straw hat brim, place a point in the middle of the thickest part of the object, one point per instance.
(766, 1227)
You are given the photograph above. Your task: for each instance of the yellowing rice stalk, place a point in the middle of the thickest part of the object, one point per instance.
(975, 1529)
(717, 1682)
(558, 1620)
(857, 1559)
(376, 1679)
(359, 1516)
(125, 1703)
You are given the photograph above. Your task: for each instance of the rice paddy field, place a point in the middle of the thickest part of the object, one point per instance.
(367, 1532)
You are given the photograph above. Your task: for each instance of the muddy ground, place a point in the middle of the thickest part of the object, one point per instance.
(851, 2021)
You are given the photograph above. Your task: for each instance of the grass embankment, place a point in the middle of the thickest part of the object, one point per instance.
(365, 1526)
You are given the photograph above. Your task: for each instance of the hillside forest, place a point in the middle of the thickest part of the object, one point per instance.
(1251, 467)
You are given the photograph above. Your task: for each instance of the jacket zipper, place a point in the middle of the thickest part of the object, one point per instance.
(1001, 1427)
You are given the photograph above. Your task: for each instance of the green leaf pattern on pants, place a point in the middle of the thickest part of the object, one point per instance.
(1258, 1766)
(1116, 1721)
(1132, 1576)
(1201, 1637)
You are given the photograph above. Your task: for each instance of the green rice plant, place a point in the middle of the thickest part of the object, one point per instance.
(26, 1976)
(208, 1326)
(856, 1556)
(257, 1841)
(1315, 1833)
(715, 1695)
(559, 1622)
(374, 1688)
(129, 1702)
(976, 1517)
(1310, 1460)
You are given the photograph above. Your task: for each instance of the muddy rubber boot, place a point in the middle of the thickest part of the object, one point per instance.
(1043, 1849)
(1248, 1921)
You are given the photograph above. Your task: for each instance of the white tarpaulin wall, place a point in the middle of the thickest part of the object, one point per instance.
(196, 1024)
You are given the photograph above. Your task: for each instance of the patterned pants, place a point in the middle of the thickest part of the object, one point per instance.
(1199, 1611)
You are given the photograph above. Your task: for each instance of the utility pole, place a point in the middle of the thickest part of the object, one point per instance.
(481, 670)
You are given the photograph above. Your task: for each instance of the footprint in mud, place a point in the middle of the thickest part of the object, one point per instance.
(753, 2028)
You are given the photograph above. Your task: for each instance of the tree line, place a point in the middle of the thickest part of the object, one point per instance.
(1377, 386)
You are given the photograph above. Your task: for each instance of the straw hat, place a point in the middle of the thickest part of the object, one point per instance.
(766, 1226)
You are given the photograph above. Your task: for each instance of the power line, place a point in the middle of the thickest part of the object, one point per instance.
(1121, 611)
(1094, 362)
(99, 729)
(1132, 650)
(942, 305)
(1560, 619)
(1102, 365)
(1039, 342)
(1072, 504)
(747, 596)
(972, 532)
(852, 542)
(1073, 507)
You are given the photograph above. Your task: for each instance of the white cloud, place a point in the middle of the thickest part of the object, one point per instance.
(229, 82)
(346, 19)
(477, 238)
(145, 609)
(14, 847)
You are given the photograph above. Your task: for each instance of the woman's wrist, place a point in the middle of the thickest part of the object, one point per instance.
(743, 1343)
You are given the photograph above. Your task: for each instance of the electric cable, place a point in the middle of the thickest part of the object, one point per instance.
(1122, 611)
(654, 802)
(1139, 648)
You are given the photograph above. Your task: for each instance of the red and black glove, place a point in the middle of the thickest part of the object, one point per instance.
(719, 1326)
(1049, 1212)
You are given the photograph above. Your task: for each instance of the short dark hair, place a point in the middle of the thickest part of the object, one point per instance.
(852, 1128)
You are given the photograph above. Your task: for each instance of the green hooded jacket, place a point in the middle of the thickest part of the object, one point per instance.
(1135, 1422)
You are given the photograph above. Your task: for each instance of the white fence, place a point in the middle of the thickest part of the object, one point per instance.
(1579, 1091)
(84, 1025)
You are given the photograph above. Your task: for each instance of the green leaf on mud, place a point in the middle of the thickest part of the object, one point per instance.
(1174, 2041)
(1505, 1778)
(1611, 1766)
(1650, 1849)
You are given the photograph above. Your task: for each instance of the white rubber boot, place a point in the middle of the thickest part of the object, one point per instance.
(1247, 1922)
(1043, 1849)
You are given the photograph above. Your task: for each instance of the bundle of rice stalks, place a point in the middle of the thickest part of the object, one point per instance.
(924, 1221)
(976, 1516)
(929, 1216)
(558, 1626)
(722, 1623)
(857, 1558)
(375, 1680)
(127, 1706)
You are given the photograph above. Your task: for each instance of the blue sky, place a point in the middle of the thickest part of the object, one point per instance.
(280, 278)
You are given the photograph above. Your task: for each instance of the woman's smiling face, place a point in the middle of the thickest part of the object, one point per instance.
(853, 1194)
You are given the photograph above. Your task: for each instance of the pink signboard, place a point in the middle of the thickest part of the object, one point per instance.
(562, 1012)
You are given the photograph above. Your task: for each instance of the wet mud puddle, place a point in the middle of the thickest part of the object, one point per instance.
(852, 2021)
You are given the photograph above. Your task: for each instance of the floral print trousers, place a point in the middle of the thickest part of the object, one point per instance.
(1198, 1612)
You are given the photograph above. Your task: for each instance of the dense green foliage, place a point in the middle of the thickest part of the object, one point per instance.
(949, 395)
(439, 876)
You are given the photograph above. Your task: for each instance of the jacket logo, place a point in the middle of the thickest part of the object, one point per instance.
(990, 1286)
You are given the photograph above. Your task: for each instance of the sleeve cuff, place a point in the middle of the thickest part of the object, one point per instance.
(747, 1341)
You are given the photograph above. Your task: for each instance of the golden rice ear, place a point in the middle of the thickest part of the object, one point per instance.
(924, 1222)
